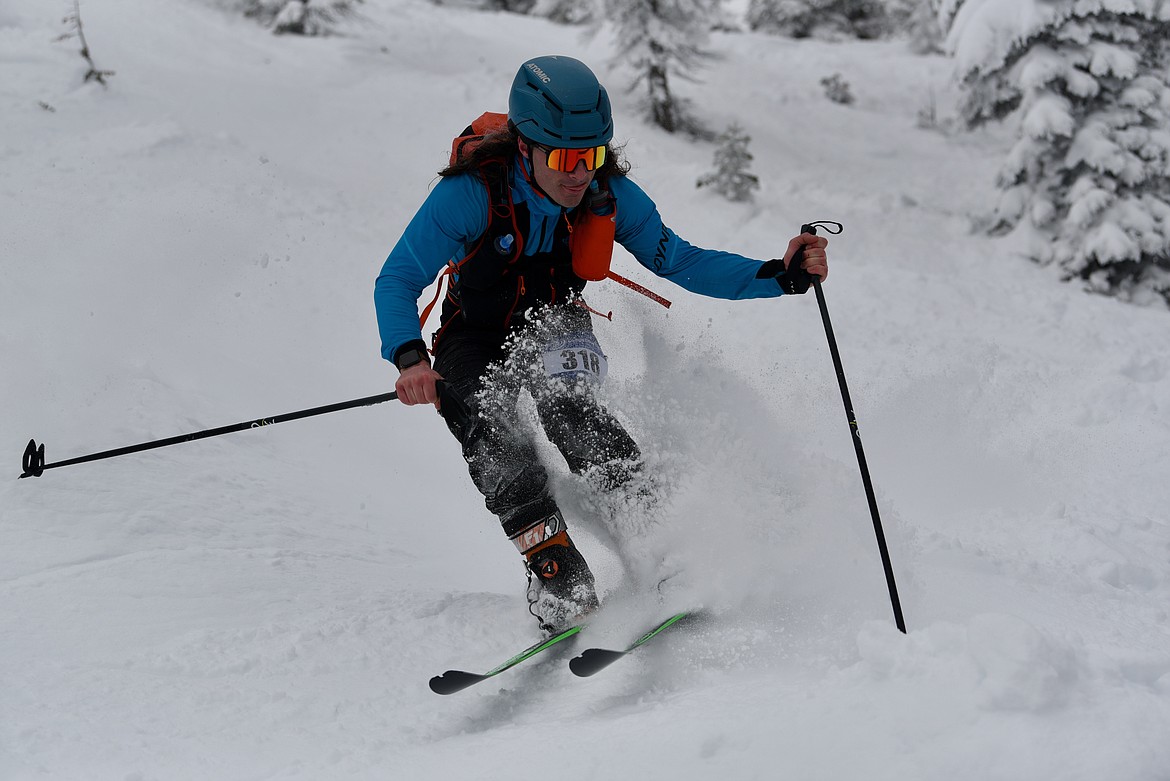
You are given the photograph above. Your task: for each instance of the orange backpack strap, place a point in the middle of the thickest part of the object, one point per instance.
(445, 273)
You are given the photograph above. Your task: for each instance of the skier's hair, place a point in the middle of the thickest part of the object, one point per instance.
(503, 144)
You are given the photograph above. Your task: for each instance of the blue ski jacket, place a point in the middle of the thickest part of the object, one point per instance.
(455, 215)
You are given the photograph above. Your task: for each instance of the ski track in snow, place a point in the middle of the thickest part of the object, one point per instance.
(196, 245)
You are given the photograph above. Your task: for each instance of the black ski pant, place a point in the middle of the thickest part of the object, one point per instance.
(500, 453)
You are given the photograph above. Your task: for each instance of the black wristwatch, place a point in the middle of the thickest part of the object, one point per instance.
(408, 358)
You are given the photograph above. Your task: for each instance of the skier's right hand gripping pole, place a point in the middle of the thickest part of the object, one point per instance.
(795, 279)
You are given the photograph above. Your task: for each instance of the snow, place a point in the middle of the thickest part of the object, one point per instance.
(1049, 115)
(1108, 59)
(983, 31)
(196, 245)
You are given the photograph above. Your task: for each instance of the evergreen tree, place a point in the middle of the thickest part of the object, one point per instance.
(922, 20)
(732, 160)
(1089, 176)
(805, 18)
(659, 40)
(566, 11)
(946, 11)
(511, 6)
(299, 17)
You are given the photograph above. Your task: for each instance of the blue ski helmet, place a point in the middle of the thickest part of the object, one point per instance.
(558, 102)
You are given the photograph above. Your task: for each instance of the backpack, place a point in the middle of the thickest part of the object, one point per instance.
(487, 123)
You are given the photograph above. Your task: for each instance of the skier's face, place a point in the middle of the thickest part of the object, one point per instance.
(565, 189)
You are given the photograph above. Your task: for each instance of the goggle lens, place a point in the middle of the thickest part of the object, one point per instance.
(565, 160)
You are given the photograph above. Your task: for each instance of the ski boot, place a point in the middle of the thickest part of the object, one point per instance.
(560, 586)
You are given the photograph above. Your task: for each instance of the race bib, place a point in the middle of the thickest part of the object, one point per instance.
(576, 356)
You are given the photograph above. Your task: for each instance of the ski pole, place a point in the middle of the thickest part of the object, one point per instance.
(869, 494)
(34, 455)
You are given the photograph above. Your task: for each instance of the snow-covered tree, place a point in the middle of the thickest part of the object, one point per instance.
(566, 11)
(299, 17)
(731, 178)
(661, 41)
(1089, 176)
(511, 6)
(946, 11)
(920, 21)
(805, 18)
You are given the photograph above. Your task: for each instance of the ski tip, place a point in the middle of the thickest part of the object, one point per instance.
(593, 660)
(454, 681)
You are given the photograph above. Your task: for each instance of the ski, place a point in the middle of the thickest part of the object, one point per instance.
(593, 660)
(457, 680)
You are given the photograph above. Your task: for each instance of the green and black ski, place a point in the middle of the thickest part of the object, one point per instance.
(457, 680)
(593, 660)
(590, 661)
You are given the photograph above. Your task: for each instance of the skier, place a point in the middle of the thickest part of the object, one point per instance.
(507, 220)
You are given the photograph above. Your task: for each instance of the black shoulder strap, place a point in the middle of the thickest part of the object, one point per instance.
(494, 173)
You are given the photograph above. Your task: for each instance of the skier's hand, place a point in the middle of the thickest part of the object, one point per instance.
(796, 279)
(816, 261)
(416, 385)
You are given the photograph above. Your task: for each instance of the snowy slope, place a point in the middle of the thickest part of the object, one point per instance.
(196, 246)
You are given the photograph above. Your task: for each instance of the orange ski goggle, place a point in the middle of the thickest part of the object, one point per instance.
(565, 160)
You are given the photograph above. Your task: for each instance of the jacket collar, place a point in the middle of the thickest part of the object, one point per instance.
(524, 187)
